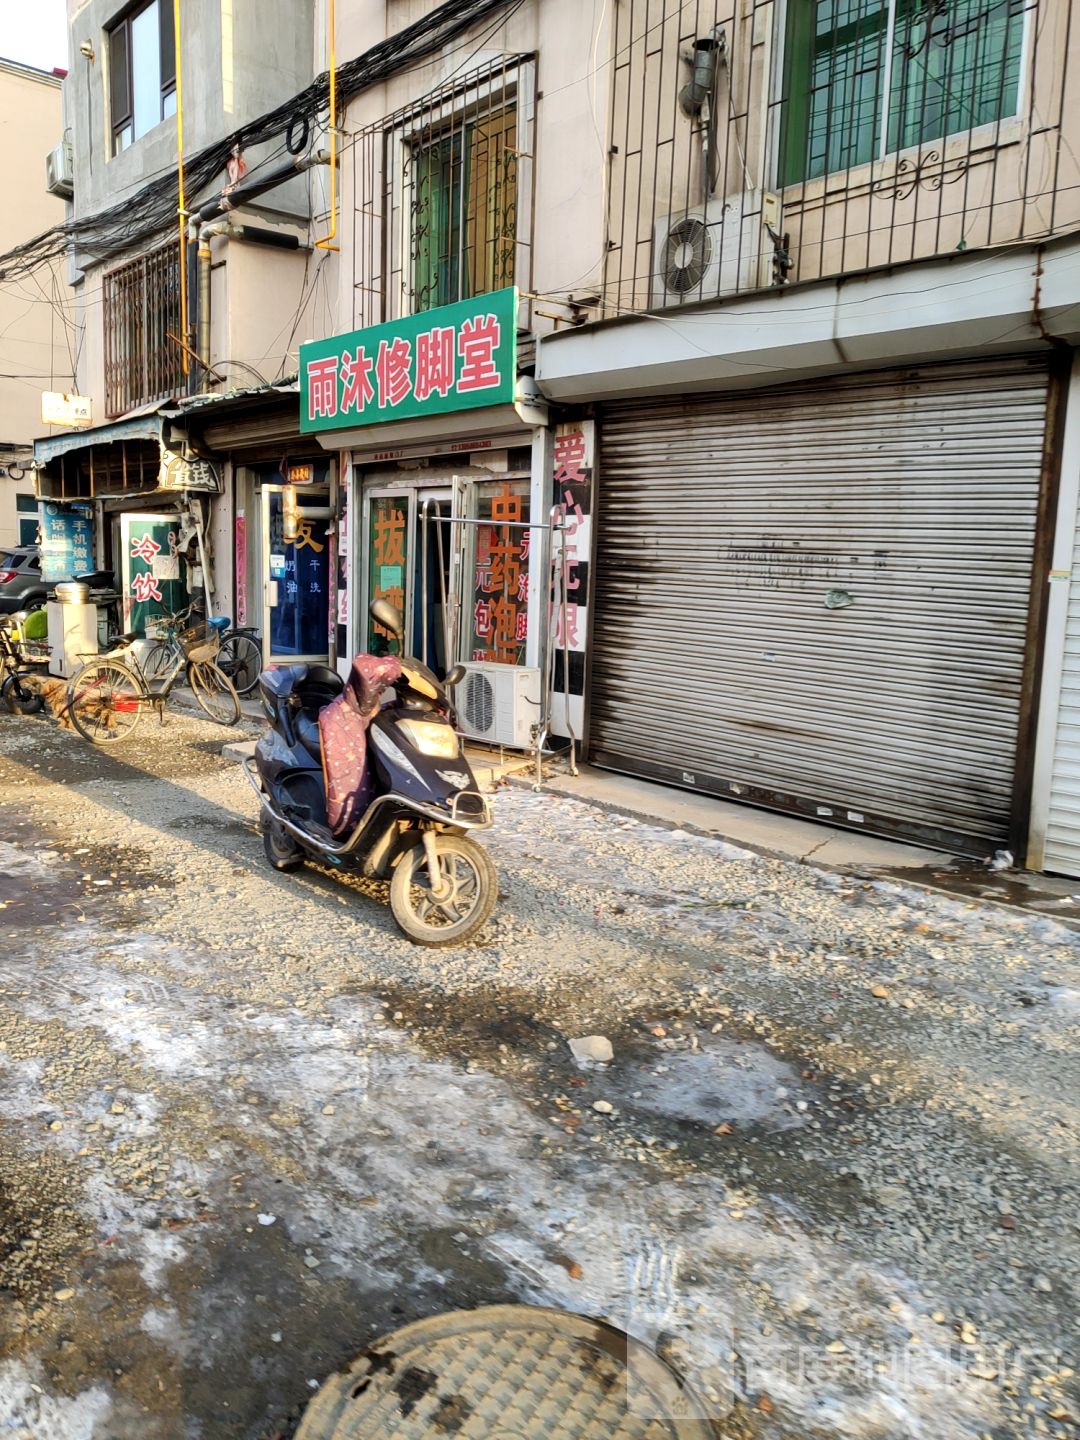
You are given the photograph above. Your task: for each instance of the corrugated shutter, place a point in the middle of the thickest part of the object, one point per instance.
(1062, 853)
(729, 525)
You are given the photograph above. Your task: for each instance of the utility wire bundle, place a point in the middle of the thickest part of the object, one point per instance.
(154, 208)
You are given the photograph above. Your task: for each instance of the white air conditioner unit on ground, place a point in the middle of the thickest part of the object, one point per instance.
(717, 249)
(499, 704)
(60, 171)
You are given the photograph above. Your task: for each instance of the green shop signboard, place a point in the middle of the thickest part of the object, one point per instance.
(456, 357)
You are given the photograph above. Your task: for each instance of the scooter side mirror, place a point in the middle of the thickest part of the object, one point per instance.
(388, 616)
(454, 675)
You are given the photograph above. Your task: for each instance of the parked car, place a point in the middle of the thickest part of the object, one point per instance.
(21, 585)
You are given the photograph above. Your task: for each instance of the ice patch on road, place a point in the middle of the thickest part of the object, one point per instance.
(28, 1414)
(160, 1250)
(727, 1080)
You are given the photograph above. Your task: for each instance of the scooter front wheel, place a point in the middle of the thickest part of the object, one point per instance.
(451, 908)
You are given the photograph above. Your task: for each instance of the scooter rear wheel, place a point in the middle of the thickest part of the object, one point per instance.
(17, 695)
(454, 918)
(280, 849)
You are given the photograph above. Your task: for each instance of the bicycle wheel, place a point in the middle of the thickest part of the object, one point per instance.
(158, 662)
(214, 691)
(104, 700)
(240, 657)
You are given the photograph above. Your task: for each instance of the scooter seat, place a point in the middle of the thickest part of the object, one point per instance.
(307, 732)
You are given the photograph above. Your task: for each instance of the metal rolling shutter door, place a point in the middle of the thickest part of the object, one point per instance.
(725, 522)
(1062, 853)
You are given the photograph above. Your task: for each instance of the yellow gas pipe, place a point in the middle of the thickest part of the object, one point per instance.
(326, 243)
(182, 196)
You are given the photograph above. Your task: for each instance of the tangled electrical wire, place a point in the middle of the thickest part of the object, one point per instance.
(154, 208)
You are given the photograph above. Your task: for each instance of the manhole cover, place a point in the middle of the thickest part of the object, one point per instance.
(506, 1372)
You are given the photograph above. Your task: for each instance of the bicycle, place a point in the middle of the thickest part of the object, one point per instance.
(107, 696)
(241, 657)
(14, 692)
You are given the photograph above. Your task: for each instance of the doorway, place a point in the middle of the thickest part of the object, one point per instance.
(296, 576)
(413, 548)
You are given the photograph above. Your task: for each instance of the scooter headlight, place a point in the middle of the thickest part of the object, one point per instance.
(431, 737)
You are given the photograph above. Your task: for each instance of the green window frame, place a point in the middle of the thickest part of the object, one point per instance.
(464, 209)
(866, 78)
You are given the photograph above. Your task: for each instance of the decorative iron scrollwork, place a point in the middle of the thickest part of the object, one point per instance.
(930, 172)
(944, 29)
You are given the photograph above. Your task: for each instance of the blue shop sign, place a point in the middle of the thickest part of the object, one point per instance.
(67, 541)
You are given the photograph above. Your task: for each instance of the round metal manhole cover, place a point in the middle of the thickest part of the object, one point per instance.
(507, 1372)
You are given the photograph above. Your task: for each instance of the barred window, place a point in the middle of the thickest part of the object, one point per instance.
(464, 207)
(865, 78)
(142, 311)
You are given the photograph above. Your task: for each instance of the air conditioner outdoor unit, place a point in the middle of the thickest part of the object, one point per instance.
(60, 171)
(717, 249)
(499, 704)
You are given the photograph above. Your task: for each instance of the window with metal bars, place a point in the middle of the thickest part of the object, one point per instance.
(866, 78)
(141, 314)
(464, 207)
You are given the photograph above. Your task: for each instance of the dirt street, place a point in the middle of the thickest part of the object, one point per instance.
(246, 1127)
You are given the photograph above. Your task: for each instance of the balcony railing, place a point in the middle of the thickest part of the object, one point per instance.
(442, 195)
(142, 311)
(830, 137)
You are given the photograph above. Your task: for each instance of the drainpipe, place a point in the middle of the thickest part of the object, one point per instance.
(204, 306)
(254, 235)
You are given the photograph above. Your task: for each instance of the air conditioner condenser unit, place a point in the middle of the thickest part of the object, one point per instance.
(714, 250)
(60, 171)
(499, 704)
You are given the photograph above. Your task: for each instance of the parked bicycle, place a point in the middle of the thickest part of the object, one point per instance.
(107, 696)
(241, 657)
(15, 693)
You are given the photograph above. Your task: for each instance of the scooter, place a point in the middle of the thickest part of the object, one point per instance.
(416, 798)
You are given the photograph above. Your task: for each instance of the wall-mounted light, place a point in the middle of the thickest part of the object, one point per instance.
(87, 49)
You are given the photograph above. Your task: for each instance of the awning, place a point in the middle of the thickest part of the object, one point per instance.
(428, 434)
(136, 427)
(135, 456)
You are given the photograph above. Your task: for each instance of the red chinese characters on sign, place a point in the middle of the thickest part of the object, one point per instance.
(392, 372)
(144, 587)
(501, 575)
(571, 482)
(477, 344)
(145, 548)
(322, 378)
(357, 390)
(434, 362)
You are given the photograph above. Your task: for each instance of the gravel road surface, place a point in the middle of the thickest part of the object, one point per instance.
(246, 1127)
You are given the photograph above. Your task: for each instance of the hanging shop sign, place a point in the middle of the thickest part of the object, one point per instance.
(456, 357)
(74, 412)
(67, 541)
(188, 472)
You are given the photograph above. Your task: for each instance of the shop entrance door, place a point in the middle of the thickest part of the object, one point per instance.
(413, 545)
(151, 572)
(296, 577)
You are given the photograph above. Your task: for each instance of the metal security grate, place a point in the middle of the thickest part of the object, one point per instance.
(142, 310)
(834, 137)
(443, 190)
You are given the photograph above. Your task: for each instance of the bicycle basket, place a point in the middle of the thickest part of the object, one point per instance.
(200, 643)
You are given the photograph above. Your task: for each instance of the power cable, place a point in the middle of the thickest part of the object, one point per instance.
(153, 208)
